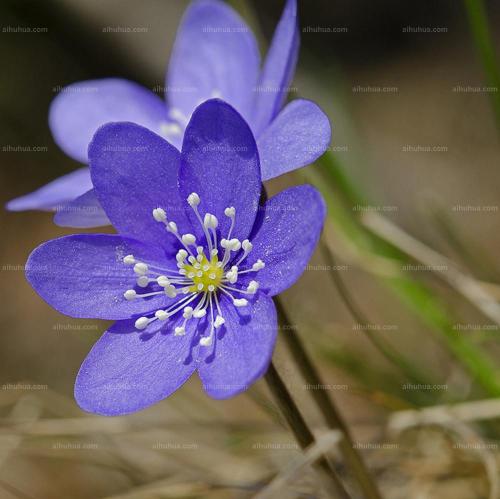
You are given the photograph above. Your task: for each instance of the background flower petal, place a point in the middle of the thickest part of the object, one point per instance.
(84, 276)
(242, 350)
(215, 55)
(298, 136)
(128, 370)
(81, 108)
(83, 212)
(220, 162)
(55, 194)
(287, 231)
(278, 69)
(134, 171)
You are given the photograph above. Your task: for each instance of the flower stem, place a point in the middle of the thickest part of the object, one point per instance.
(478, 21)
(299, 428)
(327, 407)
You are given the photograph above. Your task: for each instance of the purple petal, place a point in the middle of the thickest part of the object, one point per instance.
(220, 163)
(298, 136)
(84, 212)
(128, 370)
(278, 70)
(81, 108)
(242, 350)
(55, 194)
(287, 231)
(135, 171)
(84, 276)
(215, 55)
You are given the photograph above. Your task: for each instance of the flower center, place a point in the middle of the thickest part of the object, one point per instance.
(203, 274)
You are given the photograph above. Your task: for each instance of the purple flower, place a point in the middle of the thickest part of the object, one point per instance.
(190, 275)
(215, 56)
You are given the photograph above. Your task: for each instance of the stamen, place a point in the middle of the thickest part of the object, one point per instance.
(231, 213)
(170, 129)
(159, 215)
(179, 116)
(193, 201)
(143, 281)
(129, 260)
(141, 268)
(142, 323)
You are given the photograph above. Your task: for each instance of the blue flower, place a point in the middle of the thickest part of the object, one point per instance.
(215, 55)
(190, 275)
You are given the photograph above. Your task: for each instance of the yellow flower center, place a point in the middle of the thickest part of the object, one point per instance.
(204, 274)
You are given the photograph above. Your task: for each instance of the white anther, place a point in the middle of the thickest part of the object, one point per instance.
(181, 255)
(199, 273)
(210, 221)
(172, 227)
(233, 278)
(199, 258)
(182, 271)
(206, 341)
(211, 288)
(192, 260)
(214, 252)
(191, 274)
(205, 268)
(129, 260)
(170, 291)
(193, 199)
(142, 323)
(252, 287)
(187, 313)
(247, 245)
(140, 268)
(169, 129)
(130, 294)
(232, 275)
(161, 315)
(212, 276)
(177, 115)
(200, 287)
(240, 302)
(199, 313)
(230, 211)
(180, 330)
(162, 281)
(235, 244)
(142, 281)
(258, 265)
(219, 320)
(199, 250)
(224, 243)
(159, 215)
(188, 239)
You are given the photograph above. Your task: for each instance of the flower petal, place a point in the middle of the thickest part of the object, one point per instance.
(242, 350)
(298, 136)
(128, 370)
(55, 194)
(81, 108)
(135, 171)
(84, 276)
(278, 70)
(286, 233)
(219, 162)
(215, 55)
(84, 212)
